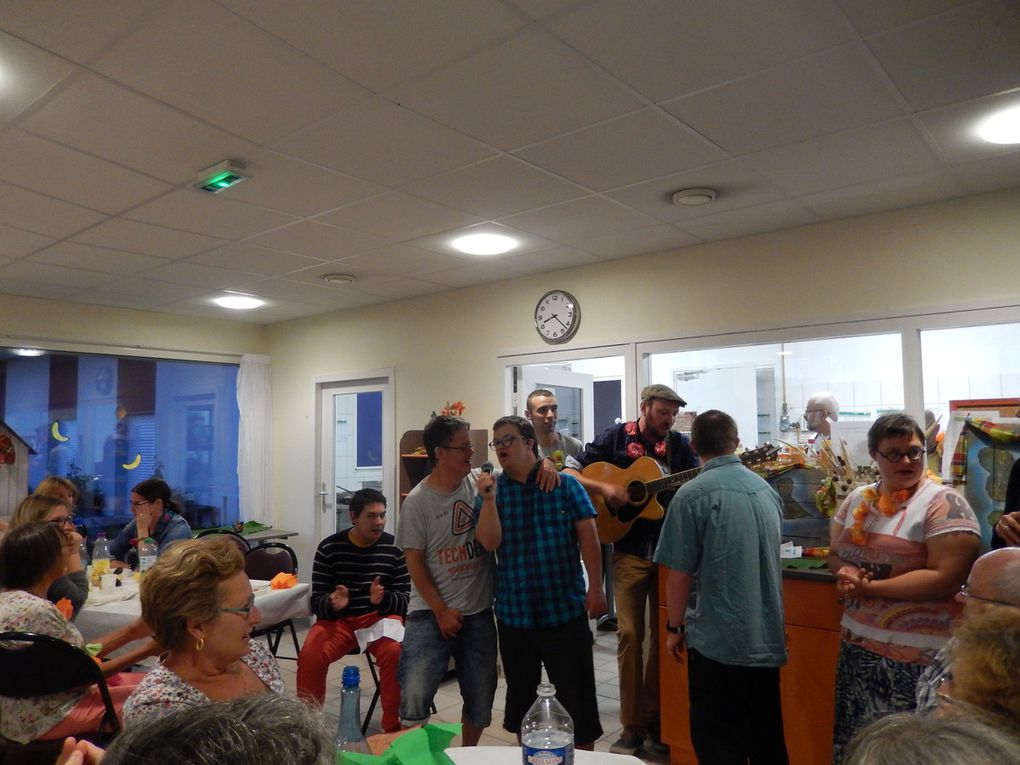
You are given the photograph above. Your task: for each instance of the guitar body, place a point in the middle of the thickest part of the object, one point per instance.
(613, 524)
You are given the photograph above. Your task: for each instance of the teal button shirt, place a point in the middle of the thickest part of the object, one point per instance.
(724, 528)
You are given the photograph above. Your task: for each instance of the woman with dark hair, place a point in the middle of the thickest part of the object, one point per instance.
(155, 516)
(31, 559)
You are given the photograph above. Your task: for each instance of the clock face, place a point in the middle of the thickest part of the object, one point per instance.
(557, 316)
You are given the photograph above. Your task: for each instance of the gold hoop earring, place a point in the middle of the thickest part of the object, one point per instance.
(200, 644)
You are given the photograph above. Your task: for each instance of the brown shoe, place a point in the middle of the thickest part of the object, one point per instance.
(628, 743)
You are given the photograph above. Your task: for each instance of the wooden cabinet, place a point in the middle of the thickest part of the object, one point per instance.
(414, 466)
(807, 682)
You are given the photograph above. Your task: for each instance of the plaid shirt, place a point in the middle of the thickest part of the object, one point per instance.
(538, 564)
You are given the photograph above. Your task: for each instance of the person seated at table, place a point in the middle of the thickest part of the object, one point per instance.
(61, 488)
(247, 731)
(156, 516)
(201, 608)
(31, 560)
(360, 589)
(73, 584)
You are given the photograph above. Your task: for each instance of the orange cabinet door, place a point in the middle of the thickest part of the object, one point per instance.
(808, 690)
(674, 703)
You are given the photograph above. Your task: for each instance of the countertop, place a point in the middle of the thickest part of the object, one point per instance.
(811, 574)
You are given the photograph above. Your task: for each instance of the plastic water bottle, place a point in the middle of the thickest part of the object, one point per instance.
(83, 554)
(101, 555)
(547, 732)
(148, 552)
(349, 737)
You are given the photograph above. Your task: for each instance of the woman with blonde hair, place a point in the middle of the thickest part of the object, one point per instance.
(61, 488)
(200, 606)
(986, 662)
(73, 584)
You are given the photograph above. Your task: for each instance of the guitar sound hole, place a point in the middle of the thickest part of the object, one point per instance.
(636, 493)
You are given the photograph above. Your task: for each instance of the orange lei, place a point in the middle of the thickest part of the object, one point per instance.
(887, 504)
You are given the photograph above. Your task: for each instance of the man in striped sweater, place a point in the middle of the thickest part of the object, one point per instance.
(360, 589)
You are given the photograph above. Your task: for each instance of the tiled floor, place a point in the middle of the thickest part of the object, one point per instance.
(448, 702)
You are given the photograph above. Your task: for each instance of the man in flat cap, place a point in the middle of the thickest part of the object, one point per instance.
(634, 573)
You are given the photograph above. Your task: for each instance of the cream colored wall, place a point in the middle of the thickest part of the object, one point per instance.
(445, 347)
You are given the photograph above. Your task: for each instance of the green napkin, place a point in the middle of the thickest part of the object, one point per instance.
(422, 746)
(805, 562)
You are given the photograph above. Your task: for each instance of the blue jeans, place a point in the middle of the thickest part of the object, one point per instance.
(426, 655)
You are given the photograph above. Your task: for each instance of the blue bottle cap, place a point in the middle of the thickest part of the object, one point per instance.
(351, 677)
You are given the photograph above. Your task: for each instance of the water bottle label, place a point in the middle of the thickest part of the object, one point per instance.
(563, 755)
(146, 562)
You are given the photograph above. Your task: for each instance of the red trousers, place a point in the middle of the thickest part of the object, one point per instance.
(328, 641)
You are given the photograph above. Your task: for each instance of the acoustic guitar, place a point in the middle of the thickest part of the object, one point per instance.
(643, 481)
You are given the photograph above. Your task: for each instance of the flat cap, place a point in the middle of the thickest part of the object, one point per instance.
(663, 392)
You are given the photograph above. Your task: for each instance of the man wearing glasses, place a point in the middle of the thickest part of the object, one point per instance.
(542, 409)
(820, 411)
(542, 603)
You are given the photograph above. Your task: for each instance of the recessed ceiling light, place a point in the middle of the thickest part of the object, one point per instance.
(693, 197)
(338, 278)
(484, 244)
(28, 352)
(238, 302)
(1001, 127)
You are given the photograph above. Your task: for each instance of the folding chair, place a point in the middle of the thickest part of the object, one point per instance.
(237, 539)
(265, 562)
(39, 665)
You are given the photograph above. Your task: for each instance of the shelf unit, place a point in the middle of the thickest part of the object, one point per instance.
(414, 467)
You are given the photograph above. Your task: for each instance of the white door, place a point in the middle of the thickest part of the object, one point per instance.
(357, 450)
(574, 394)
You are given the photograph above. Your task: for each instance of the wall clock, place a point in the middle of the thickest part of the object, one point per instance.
(557, 316)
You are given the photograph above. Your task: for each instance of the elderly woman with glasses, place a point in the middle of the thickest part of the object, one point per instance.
(73, 584)
(155, 516)
(900, 550)
(199, 604)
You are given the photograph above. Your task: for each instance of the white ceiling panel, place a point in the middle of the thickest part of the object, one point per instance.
(471, 274)
(35, 163)
(186, 272)
(618, 244)
(113, 298)
(92, 258)
(158, 140)
(750, 220)
(42, 214)
(990, 174)
(26, 74)
(547, 260)
(132, 236)
(286, 290)
(526, 90)
(254, 260)
(872, 16)
(952, 128)
(622, 151)
(580, 218)
(17, 242)
(318, 241)
(214, 215)
(59, 276)
(884, 194)
(157, 292)
(402, 260)
(205, 60)
(401, 289)
(398, 217)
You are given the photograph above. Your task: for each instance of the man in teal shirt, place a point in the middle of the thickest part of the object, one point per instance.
(725, 601)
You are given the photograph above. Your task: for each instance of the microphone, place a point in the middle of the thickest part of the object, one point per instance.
(487, 467)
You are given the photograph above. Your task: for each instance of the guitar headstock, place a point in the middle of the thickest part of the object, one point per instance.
(764, 453)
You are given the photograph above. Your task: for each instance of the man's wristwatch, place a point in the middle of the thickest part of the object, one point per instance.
(675, 630)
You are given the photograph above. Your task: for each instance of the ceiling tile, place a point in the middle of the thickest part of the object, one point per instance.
(384, 143)
(496, 187)
(58, 276)
(186, 272)
(40, 288)
(77, 31)
(547, 260)
(158, 140)
(283, 289)
(397, 217)
(132, 236)
(541, 9)
(113, 298)
(16, 242)
(255, 260)
(579, 219)
(750, 220)
(157, 292)
(401, 289)
(815, 95)
(26, 73)
(472, 273)
(990, 174)
(317, 240)
(624, 244)
(526, 242)
(845, 159)
(43, 214)
(645, 144)
(884, 194)
(526, 90)
(736, 185)
(35, 163)
(363, 276)
(871, 16)
(966, 53)
(300, 188)
(402, 260)
(209, 214)
(286, 312)
(72, 255)
(953, 128)
(666, 49)
(403, 40)
(202, 58)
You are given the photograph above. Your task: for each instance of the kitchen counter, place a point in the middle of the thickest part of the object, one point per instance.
(810, 574)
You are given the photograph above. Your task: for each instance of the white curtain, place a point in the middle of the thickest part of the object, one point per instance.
(254, 399)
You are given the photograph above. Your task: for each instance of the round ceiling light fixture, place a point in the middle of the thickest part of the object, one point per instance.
(693, 197)
(1002, 127)
(28, 352)
(338, 278)
(484, 244)
(238, 302)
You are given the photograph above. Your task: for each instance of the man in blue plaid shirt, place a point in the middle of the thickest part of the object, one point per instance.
(542, 602)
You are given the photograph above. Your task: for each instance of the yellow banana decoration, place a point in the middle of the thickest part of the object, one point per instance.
(55, 431)
(133, 463)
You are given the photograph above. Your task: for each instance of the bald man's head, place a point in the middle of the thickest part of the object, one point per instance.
(995, 577)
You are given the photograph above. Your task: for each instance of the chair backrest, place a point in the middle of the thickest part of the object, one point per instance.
(34, 665)
(237, 539)
(270, 559)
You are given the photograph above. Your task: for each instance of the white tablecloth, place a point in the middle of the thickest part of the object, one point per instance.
(511, 755)
(100, 615)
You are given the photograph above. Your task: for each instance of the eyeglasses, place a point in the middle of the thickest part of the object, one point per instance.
(63, 520)
(914, 453)
(467, 448)
(809, 411)
(504, 442)
(245, 610)
(966, 593)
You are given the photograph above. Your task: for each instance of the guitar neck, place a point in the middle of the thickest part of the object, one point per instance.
(672, 481)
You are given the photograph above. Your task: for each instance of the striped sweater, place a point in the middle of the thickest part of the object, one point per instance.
(339, 561)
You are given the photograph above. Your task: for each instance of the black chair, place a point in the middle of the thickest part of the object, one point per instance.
(39, 665)
(237, 539)
(265, 562)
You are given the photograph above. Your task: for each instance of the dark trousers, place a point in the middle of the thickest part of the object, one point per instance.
(736, 717)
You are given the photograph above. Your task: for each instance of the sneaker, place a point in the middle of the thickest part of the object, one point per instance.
(628, 743)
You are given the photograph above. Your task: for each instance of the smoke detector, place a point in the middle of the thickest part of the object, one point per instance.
(693, 197)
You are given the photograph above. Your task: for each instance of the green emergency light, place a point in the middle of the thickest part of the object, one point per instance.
(219, 177)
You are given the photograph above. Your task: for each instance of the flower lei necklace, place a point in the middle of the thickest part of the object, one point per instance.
(887, 503)
(636, 448)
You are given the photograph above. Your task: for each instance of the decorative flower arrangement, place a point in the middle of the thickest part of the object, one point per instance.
(456, 409)
(635, 447)
(887, 503)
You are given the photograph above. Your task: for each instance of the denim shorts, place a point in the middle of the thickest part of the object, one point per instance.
(426, 655)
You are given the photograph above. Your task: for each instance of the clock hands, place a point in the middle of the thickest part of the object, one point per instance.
(557, 317)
